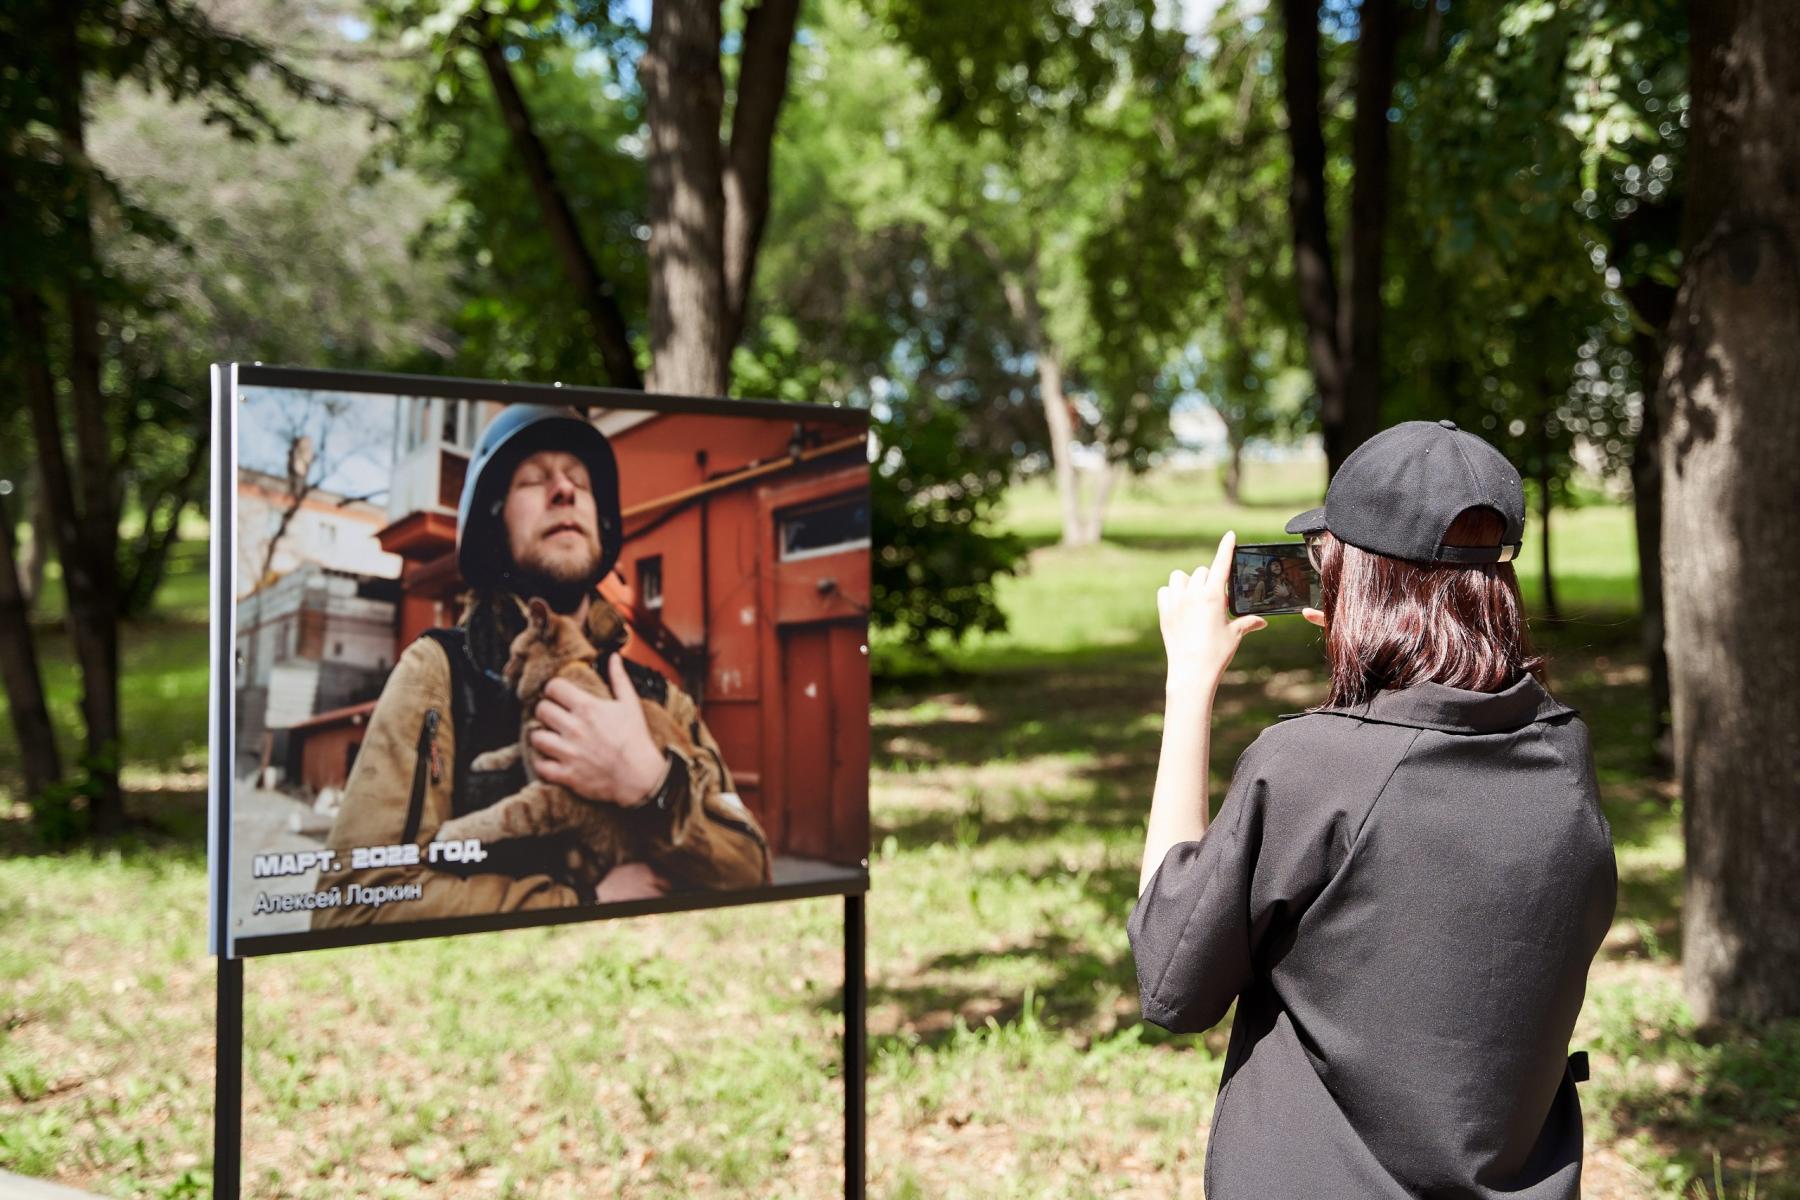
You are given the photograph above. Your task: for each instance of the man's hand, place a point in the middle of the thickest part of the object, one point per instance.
(599, 749)
(1198, 630)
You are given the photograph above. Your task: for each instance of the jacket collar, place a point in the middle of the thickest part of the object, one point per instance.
(1455, 710)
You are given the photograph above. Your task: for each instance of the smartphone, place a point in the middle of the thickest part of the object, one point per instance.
(1272, 577)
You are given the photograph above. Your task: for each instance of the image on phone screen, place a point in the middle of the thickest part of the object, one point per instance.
(1272, 577)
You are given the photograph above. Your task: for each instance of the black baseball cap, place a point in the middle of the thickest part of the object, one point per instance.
(1398, 493)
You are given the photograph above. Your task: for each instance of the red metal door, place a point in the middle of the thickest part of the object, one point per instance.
(826, 692)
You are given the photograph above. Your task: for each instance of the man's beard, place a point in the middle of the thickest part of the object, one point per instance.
(562, 590)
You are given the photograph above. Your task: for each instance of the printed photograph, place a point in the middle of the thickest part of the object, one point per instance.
(498, 657)
(1271, 580)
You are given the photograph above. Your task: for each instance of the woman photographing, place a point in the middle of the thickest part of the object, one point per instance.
(1404, 887)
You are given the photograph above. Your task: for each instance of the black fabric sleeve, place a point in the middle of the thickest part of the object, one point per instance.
(1216, 907)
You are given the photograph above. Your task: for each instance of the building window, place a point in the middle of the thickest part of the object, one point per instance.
(281, 642)
(649, 582)
(831, 528)
(337, 649)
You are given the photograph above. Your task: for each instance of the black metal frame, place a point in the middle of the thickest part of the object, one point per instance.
(852, 884)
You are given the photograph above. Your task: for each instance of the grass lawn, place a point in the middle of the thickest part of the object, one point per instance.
(697, 1055)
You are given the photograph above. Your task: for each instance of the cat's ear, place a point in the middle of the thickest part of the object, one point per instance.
(538, 613)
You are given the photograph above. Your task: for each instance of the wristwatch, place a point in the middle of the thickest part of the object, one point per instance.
(667, 790)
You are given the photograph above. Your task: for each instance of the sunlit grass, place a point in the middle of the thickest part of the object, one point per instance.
(697, 1055)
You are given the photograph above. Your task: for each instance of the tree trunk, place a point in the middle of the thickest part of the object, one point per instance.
(1360, 324)
(1730, 438)
(1544, 475)
(683, 106)
(1020, 290)
(1314, 273)
(19, 672)
(1094, 523)
(87, 548)
(761, 86)
(1343, 334)
(1062, 445)
(594, 292)
(86, 507)
(31, 563)
(150, 556)
(1646, 507)
(1233, 477)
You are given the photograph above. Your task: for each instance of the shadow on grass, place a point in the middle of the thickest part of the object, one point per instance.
(160, 826)
(1713, 1099)
(1080, 992)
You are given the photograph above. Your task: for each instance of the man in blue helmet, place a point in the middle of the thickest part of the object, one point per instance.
(539, 517)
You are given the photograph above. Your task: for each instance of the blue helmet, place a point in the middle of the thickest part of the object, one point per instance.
(517, 432)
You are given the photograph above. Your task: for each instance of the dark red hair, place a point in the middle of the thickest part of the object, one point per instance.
(1392, 623)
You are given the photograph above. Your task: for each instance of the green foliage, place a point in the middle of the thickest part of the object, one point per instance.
(1527, 143)
(933, 491)
(573, 62)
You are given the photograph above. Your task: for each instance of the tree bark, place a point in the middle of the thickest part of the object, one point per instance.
(1730, 438)
(31, 564)
(683, 106)
(1646, 509)
(1653, 304)
(87, 551)
(1233, 476)
(1343, 333)
(1314, 274)
(1020, 290)
(85, 506)
(1360, 330)
(1544, 477)
(594, 291)
(1055, 400)
(19, 672)
(150, 556)
(761, 87)
(1094, 524)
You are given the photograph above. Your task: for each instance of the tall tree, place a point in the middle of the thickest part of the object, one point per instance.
(1343, 324)
(708, 176)
(708, 201)
(1730, 439)
(62, 294)
(1047, 107)
(594, 292)
(19, 672)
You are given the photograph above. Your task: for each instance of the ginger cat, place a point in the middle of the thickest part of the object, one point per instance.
(553, 646)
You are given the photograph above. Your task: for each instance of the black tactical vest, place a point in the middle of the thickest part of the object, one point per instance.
(485, 715)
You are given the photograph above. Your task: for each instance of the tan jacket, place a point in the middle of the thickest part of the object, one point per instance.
(709, 841)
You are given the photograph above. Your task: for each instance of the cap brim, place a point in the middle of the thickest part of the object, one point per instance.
(1310, 521)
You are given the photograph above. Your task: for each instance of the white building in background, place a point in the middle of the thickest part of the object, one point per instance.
(316, 640)
(327, 529)
(433, 439)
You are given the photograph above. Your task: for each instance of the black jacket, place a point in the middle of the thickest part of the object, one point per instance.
(1403, 898)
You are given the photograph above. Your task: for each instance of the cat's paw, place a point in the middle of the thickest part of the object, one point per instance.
(453, 831)
(495, 760)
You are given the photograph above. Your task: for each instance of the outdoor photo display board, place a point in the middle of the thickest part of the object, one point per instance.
(374, 777)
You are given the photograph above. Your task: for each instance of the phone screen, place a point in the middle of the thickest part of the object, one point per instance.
(1272, 577)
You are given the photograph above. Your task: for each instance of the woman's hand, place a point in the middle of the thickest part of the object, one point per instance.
(1198, 631)
(597, 748)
